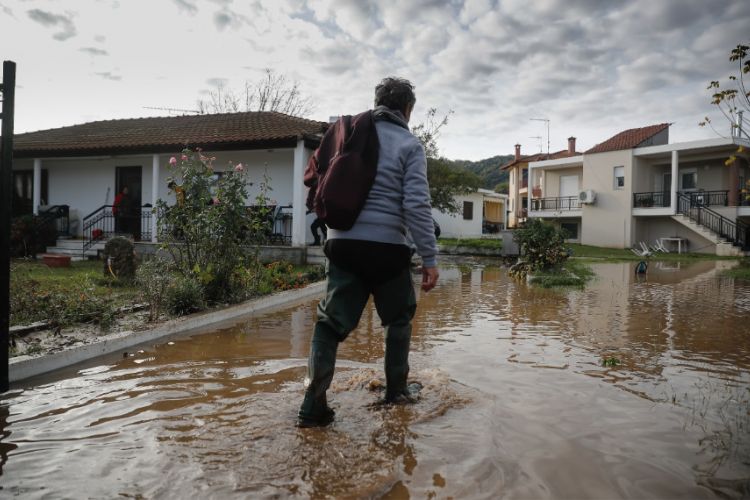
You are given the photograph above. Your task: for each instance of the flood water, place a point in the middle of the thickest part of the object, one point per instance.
(626, 389)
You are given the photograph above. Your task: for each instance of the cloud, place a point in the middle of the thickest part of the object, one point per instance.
(93, 51)
(217, 82)
(50, 20)
(186, 6)
(7, 10)
(109, 76)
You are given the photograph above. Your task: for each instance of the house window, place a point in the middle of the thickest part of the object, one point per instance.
(619, 177)
(571, 228)
(689, 180)
(23, 191)
(468, 210)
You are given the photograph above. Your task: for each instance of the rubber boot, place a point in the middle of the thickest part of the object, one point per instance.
(396, 362)
(315, 411)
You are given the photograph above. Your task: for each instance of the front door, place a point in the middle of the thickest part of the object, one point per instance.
(130, 177)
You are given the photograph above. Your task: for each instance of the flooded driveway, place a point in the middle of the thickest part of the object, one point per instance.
(627, 389)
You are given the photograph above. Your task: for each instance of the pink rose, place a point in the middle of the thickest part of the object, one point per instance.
(184, 158)
(239, 167)
(173, 161)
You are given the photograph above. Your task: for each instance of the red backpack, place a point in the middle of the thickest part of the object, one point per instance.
(342, 170)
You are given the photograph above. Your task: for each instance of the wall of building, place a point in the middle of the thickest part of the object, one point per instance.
(454, 225)
(649, 229)
(608, 221)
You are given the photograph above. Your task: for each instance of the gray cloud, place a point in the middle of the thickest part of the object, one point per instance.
(7, 10)
(50, 20)
(186, 6)
(93, 51)
(109, 76)
(100, 38)
(217, 82)
(227, 18)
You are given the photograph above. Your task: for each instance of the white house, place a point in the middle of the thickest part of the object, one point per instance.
(82, 167)
(483, 212)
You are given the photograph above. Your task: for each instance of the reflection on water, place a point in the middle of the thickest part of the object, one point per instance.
(516, 403)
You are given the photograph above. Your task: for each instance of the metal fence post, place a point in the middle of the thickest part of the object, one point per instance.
(8, 89)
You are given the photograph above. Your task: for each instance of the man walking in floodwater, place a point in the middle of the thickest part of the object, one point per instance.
(373, 257)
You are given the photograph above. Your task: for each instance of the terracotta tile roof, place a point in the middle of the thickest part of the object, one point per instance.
(628, 139)
(250, 130)
(563, 153)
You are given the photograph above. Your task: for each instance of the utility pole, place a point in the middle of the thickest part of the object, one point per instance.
(8, 90)
(546, 120)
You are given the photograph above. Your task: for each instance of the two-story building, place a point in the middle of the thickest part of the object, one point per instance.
(518, 180)
(636, 189)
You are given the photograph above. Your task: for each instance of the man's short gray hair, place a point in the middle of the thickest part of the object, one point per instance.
(395, 93)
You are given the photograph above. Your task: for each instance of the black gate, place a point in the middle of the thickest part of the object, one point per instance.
(8, 91)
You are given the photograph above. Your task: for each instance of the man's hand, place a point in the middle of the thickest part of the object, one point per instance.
(430, 277)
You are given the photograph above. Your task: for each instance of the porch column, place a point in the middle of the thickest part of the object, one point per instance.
(154, 194)
(299, 226)
(673, 187)
(37, 196)
(734, 182)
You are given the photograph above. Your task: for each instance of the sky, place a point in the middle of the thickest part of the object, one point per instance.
(591, 67)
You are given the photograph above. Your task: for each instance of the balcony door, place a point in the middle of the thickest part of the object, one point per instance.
(568, 186)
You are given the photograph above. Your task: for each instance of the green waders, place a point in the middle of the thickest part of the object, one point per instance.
(338, 314)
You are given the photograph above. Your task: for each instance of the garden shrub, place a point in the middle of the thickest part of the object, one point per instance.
(208, 230)
(30, 236)
(183, 296)
(119, 258)
(542, 247)
(153, 277)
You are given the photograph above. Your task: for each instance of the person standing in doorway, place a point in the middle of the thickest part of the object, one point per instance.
(372, 258)
(120, 209)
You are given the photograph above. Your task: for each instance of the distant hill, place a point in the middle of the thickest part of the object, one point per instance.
(488, 169)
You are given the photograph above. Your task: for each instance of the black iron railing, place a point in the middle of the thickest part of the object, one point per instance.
(102, 224)
(736, 232)
(563, 203)
(58, 216)
(659, 199)
(652, 199)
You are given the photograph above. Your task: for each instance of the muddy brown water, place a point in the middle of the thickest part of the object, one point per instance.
(518, 401)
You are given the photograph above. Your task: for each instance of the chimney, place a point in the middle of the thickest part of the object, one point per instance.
(571, 145)
(518, 152)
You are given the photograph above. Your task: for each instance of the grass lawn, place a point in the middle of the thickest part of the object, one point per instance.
(742, 271)
(496, 243)
(620, 254)
(573, 273)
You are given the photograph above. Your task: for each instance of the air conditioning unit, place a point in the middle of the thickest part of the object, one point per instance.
(588, 196)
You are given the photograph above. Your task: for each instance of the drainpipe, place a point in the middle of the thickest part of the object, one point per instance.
(154, 195)
(673, 187)
(299, 226)
(37, 197)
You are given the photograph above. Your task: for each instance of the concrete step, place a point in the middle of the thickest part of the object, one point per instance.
(315, 255)
(723, 247)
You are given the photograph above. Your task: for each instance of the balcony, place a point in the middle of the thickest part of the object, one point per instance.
(560, 206)
(662, 199)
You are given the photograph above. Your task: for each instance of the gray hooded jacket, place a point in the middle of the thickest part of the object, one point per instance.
(400, 196)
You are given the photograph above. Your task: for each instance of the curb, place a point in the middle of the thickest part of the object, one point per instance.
(23, 367)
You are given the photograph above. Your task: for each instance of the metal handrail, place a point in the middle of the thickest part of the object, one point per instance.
(57, 214)
(103, 224)
(652, 199)
(664, 198)
(556, 203)
(736, 232)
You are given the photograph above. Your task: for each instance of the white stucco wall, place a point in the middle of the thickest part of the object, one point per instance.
(454, 226)
(649, 229)
(608, 222)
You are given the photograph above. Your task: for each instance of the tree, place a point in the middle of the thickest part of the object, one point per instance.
(446, 180)
(502, 188)
(733, 97)
(273, 92)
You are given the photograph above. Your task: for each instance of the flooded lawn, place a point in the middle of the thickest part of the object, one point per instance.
(627, 389)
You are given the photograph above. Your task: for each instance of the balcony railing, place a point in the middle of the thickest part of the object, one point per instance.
(695, 198)
(563, 203)
(652, 199)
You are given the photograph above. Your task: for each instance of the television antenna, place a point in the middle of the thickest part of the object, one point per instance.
(540, 141)
(174, 110)
(545, 120)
